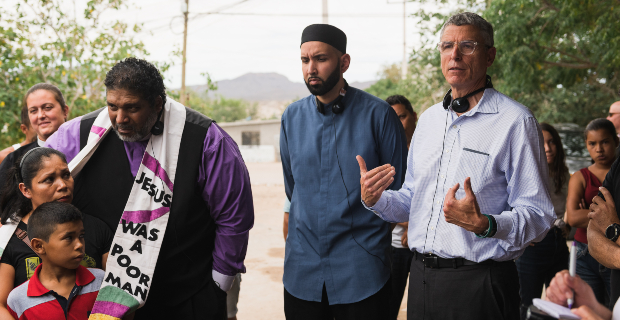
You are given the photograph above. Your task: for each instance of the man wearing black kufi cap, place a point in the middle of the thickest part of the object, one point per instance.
(337, 252)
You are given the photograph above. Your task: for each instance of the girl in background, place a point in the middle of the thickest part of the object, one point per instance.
(541, 261)
(601, 141)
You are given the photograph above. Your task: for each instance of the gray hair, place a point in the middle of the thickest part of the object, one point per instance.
(471, 19)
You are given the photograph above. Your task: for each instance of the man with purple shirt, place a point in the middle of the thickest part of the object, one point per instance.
(211, 213)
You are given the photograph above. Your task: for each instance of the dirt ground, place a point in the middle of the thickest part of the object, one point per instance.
(262, 291)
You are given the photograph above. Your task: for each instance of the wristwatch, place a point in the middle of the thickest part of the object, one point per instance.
(613, 232)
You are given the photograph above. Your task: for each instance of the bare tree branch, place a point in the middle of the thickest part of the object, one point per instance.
(604, 87)
(580, 59)
(571, 65)
(37, 14)
(550, 6)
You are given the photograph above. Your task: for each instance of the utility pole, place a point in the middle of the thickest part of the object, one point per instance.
(184, 9)
(405, 65)
(325, 11)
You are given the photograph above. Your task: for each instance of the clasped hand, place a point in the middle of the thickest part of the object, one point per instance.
(603, 211)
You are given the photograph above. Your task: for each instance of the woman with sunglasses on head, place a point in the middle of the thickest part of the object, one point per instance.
(601, 141)
(47, 111)
(542, 260)
(41, 176)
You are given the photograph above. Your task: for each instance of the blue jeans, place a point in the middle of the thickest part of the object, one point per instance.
(539, 264)
(594, 273)
(401, 264)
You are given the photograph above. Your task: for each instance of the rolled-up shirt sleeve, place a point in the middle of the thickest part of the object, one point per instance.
(394, 205)
(531, 214)
(225, 184)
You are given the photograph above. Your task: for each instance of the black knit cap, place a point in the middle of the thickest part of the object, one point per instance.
(325, 33)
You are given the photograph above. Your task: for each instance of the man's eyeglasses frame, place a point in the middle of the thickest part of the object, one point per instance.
(460, 45)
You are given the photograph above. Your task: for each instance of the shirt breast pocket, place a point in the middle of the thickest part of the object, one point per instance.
(473, 164)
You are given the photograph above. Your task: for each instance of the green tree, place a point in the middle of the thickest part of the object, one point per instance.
(229, 110)
(40, 42)
(220, 109)
(424, 85)
(557, 57)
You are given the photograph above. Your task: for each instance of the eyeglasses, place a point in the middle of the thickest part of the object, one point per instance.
(465, 47)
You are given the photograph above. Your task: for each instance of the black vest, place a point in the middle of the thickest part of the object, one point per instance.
(102, 189)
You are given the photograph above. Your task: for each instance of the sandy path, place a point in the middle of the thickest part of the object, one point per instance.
(261, 294)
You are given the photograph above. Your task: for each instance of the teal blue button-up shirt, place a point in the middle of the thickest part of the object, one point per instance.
(333, 240)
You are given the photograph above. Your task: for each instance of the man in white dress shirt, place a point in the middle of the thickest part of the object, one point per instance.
(475, 191)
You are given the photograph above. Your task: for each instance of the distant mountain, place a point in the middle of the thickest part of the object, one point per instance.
(265, 87)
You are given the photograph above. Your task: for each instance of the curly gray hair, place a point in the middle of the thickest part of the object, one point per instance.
(471, 19)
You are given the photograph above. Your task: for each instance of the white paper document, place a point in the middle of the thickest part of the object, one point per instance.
(555, 310)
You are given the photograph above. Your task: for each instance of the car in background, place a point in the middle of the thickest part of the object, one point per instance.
(577, 155)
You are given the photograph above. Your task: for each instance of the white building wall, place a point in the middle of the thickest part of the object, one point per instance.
(269, 149)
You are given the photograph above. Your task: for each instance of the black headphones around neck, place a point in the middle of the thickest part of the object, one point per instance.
(338, 106)
(158, 127)
(461, 104)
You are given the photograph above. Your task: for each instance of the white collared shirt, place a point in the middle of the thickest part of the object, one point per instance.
(499, 144)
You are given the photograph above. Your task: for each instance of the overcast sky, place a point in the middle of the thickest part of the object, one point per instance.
(262, 35)
(227, 46)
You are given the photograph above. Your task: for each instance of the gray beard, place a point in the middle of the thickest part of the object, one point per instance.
(140, 133)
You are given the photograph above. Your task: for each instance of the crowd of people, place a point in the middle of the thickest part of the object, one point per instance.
(470, 205)
(116, 171)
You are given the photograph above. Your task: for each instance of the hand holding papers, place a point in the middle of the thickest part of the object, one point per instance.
(564, 287)
(555, 310)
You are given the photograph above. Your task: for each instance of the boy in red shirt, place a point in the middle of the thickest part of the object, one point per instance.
(60, 287)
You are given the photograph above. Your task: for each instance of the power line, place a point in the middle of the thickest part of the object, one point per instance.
(186, 19)
(218, 10)
(155, 19)
(285, 15)
(363, 15)
(197, 15)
